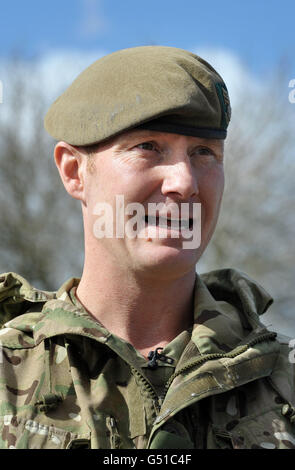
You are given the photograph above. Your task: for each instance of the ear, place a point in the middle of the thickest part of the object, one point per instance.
(69, 162)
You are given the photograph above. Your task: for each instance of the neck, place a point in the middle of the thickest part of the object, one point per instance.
(148, 312)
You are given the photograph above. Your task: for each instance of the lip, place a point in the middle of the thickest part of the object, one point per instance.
(169, 223)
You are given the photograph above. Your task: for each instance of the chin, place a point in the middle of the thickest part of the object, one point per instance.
(168, 260)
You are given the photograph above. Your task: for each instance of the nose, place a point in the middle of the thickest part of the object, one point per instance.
(180, 180)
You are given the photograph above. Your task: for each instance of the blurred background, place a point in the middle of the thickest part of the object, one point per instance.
(45, 45)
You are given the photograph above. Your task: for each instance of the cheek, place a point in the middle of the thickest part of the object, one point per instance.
(102, 183)
(212, 185)
(211, 189)
(116, 179)
(134, 182)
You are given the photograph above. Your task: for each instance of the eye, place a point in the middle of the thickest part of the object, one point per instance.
(150, 146)
(206, 155)
(204, 151)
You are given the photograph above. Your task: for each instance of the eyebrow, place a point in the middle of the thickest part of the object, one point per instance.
(125, 139)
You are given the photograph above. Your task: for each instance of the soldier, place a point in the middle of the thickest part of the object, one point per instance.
(142, 352)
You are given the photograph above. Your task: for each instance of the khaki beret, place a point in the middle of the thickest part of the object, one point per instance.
(151, 87)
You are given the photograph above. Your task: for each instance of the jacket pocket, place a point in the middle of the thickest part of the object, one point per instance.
(28, 433)
(268, 430)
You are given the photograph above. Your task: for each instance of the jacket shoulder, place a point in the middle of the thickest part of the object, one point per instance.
(241, 291)
(18, 296)
(282, 377)
(236, 286)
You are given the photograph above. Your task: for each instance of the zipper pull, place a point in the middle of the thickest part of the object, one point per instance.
(153, 356)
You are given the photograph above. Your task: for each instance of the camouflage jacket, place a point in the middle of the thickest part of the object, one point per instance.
(67, 382)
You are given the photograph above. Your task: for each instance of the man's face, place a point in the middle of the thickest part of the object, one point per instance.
(155, 167)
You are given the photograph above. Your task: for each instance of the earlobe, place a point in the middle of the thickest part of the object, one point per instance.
(69, 163)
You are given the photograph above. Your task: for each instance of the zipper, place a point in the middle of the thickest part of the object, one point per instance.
(158, 400)
(148, 386)
(236, 352)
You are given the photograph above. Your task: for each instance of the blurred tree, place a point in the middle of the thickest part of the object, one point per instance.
(41, 234)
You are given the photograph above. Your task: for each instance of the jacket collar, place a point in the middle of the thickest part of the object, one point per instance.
(227, 305)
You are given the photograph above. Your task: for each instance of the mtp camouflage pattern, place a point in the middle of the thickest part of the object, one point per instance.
(67, 382)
